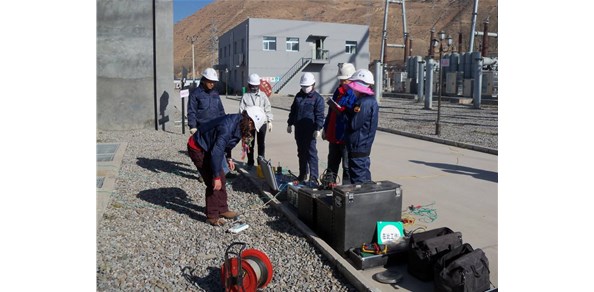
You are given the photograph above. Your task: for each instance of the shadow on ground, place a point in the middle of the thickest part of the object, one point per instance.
(211, 282)
(158, 165)
(175, 199)
(458, 169)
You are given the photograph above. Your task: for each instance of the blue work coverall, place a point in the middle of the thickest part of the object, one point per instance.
(307, 115)
(360, 133)
(214, 139)
(203, 106)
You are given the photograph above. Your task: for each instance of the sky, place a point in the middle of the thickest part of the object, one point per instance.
(185, 8)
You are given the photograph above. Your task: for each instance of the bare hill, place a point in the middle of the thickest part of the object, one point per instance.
(452, 16)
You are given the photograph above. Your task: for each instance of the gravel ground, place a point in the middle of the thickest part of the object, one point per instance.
(153, 237)
(458, 122)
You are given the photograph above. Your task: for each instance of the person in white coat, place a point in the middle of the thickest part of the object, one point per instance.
(255, 97)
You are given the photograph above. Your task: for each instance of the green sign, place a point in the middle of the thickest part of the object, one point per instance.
(389, 231)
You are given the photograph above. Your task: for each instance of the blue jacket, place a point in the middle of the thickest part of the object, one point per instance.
(362, 125)
(307, 113)
(203, 106)
(218, 136)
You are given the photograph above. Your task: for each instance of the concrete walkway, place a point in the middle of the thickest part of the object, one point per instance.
(460, 184)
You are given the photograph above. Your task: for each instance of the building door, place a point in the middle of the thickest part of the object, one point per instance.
(319, 48)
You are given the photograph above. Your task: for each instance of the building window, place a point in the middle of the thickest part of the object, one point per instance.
(269, 43)
(292, 44)
(234, 48)
(350, 47)
(243, 46)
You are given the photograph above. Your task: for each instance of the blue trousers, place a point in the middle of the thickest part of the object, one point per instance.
(359, 169)
(308, 157)
(336, 153)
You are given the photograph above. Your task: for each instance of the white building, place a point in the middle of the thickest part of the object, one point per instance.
(281, 50)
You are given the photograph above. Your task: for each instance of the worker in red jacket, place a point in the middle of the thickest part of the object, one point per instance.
(335, 126)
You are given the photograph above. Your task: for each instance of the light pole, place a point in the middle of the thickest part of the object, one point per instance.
(192, 39)
(442, 37)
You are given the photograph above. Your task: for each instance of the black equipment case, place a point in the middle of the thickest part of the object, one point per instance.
(324, 218)
(306, 207)
(358, 208)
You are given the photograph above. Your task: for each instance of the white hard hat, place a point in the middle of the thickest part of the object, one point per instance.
(254, 79)
(257, 115)
(346, 71)
(307, 79)
(363, 75)
(210, 74)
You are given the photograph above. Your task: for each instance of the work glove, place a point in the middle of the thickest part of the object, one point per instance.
(289, 129)
(323, 134)
(193, 130)
(317, 134)
(269, 127)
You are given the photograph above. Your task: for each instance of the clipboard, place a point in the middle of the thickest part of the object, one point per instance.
(334, 106)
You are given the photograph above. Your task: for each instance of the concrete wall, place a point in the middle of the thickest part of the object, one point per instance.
(134, 75)
(276, 63)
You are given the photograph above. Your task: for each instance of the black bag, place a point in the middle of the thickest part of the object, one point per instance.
(426, 247)
(462, 270)
(447, 258)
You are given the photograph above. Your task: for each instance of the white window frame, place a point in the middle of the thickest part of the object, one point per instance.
(350, 47)
(266, 43)
(292, 42)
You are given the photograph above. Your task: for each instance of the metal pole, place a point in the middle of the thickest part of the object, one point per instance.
(383, 48)
(409, 46)
(183, 106)
(379, 69)
(193, 63)
(431, 52)
(473, 27)
(406, 48)
(405, 32)
(155, 69)
(192, 40)
(420, 79)
(183, 115)
(478, 78)
(485, 38)
(429, 83)
(437, 127)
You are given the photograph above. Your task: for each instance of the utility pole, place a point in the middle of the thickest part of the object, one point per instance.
(193, 39)
(442, 37)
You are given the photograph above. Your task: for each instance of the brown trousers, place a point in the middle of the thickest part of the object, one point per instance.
(216, 201)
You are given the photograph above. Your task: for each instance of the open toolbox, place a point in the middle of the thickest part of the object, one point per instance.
(396, 252)
(362, 261)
